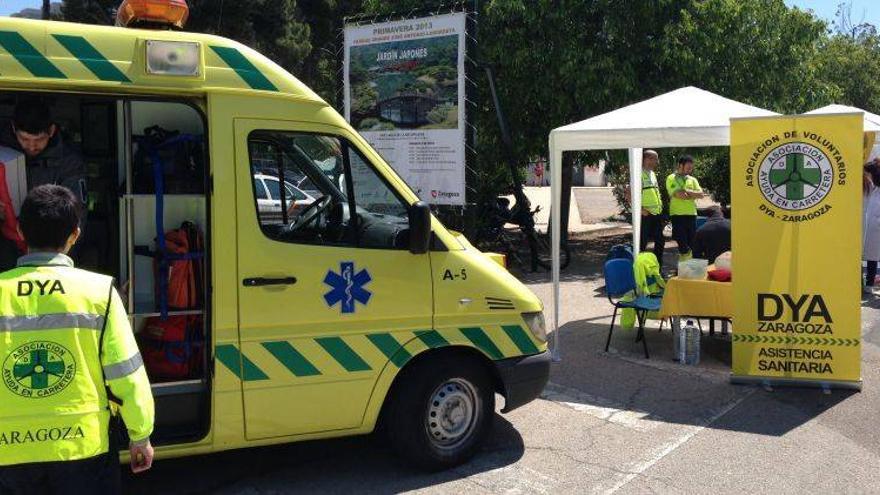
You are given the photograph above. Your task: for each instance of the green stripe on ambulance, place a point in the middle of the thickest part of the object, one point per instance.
(89, 56)
(300, 364)
(244, 68)
(28, 56)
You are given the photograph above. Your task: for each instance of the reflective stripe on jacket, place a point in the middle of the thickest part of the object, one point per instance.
(651, 199)
(53, 399)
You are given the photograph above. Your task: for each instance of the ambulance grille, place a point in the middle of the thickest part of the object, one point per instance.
(499, 304)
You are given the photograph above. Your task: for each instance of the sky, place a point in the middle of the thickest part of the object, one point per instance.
(862, 10)
(12, 6)
(867, 9)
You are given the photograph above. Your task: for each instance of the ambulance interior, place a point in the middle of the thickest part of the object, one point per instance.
(146, 179)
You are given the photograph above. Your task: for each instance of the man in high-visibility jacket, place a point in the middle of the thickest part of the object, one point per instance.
(65, 340)
(684, 191)
(652, 207)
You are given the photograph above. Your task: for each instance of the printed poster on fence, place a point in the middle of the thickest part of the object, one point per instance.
(797, 222)
(405, 93)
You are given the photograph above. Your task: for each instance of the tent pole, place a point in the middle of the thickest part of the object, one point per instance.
(635, 188)
(555, 222)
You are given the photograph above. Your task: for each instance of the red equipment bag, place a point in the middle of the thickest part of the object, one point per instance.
(181, 277)
(179, 268)
(172, 348)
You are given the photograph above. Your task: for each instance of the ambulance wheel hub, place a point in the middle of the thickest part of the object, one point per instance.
(452, 413)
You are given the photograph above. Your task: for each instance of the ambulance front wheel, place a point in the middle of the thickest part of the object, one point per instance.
(441, 413)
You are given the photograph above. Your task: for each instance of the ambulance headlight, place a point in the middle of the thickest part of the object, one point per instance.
(536, 324)
(173, 58)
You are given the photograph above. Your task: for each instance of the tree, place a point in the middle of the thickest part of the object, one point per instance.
(89, 11)
(778, 71)
(556, 62)
(850, 60)
(272, 27)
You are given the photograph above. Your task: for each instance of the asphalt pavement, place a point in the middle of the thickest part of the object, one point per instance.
(607, 423)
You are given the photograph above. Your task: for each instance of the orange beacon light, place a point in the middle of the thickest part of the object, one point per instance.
(152, 13)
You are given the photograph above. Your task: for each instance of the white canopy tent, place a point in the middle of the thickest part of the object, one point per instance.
(686, 117)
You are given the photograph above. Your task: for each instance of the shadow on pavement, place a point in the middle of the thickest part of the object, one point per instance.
(659, 389)
(350, 465)
(871, 302)
(588, 258)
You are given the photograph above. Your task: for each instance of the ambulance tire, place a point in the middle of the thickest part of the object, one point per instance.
(459, 389)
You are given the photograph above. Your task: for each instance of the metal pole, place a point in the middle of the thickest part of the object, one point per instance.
(555, 221)
(635, 188)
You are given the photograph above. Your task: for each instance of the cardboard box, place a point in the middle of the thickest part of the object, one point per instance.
(16, 175)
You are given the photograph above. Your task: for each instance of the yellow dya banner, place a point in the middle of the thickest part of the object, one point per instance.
(797, 221)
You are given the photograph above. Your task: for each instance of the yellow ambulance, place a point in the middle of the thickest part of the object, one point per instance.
(329, 300)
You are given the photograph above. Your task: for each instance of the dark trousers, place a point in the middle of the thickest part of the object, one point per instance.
(652, 229)
(99, 475)
(871, 273)
(684, 228)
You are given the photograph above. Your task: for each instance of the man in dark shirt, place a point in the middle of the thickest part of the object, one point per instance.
(49, 159)
(713, 238)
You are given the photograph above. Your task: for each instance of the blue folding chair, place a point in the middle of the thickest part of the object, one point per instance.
(620, 282)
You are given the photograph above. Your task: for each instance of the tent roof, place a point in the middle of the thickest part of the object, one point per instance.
(872, 121)
(684, 117)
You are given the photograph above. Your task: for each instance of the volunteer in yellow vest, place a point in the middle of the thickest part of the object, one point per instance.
(683, 190)
(64, 339)
(652, 207)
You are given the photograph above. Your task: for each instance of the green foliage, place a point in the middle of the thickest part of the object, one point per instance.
(445, 113)
(777, 70)
(89, 11)
(852, 65)
(712, 167)
(271, 27)
(557, 62)
(364, 100)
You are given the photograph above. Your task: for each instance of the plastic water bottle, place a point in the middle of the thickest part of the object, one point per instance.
(690, 348)
(677, 342)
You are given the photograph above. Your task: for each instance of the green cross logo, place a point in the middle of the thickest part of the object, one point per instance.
(795, 176)
(38, 369)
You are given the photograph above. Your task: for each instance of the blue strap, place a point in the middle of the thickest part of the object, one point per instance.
(171, 353)
(163, 257)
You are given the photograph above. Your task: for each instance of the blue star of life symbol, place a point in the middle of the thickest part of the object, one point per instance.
(347, 287)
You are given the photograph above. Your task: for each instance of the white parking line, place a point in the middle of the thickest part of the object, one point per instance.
(599, 407)
(669, 447)
(517, 479)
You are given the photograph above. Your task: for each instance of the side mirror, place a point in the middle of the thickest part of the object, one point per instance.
(419, 227)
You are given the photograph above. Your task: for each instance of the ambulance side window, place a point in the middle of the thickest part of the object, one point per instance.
(331, 195)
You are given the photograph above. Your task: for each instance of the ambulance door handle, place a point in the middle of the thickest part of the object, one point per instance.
(261, 281)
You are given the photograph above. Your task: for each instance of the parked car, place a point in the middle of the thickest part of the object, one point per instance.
(269, 198)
